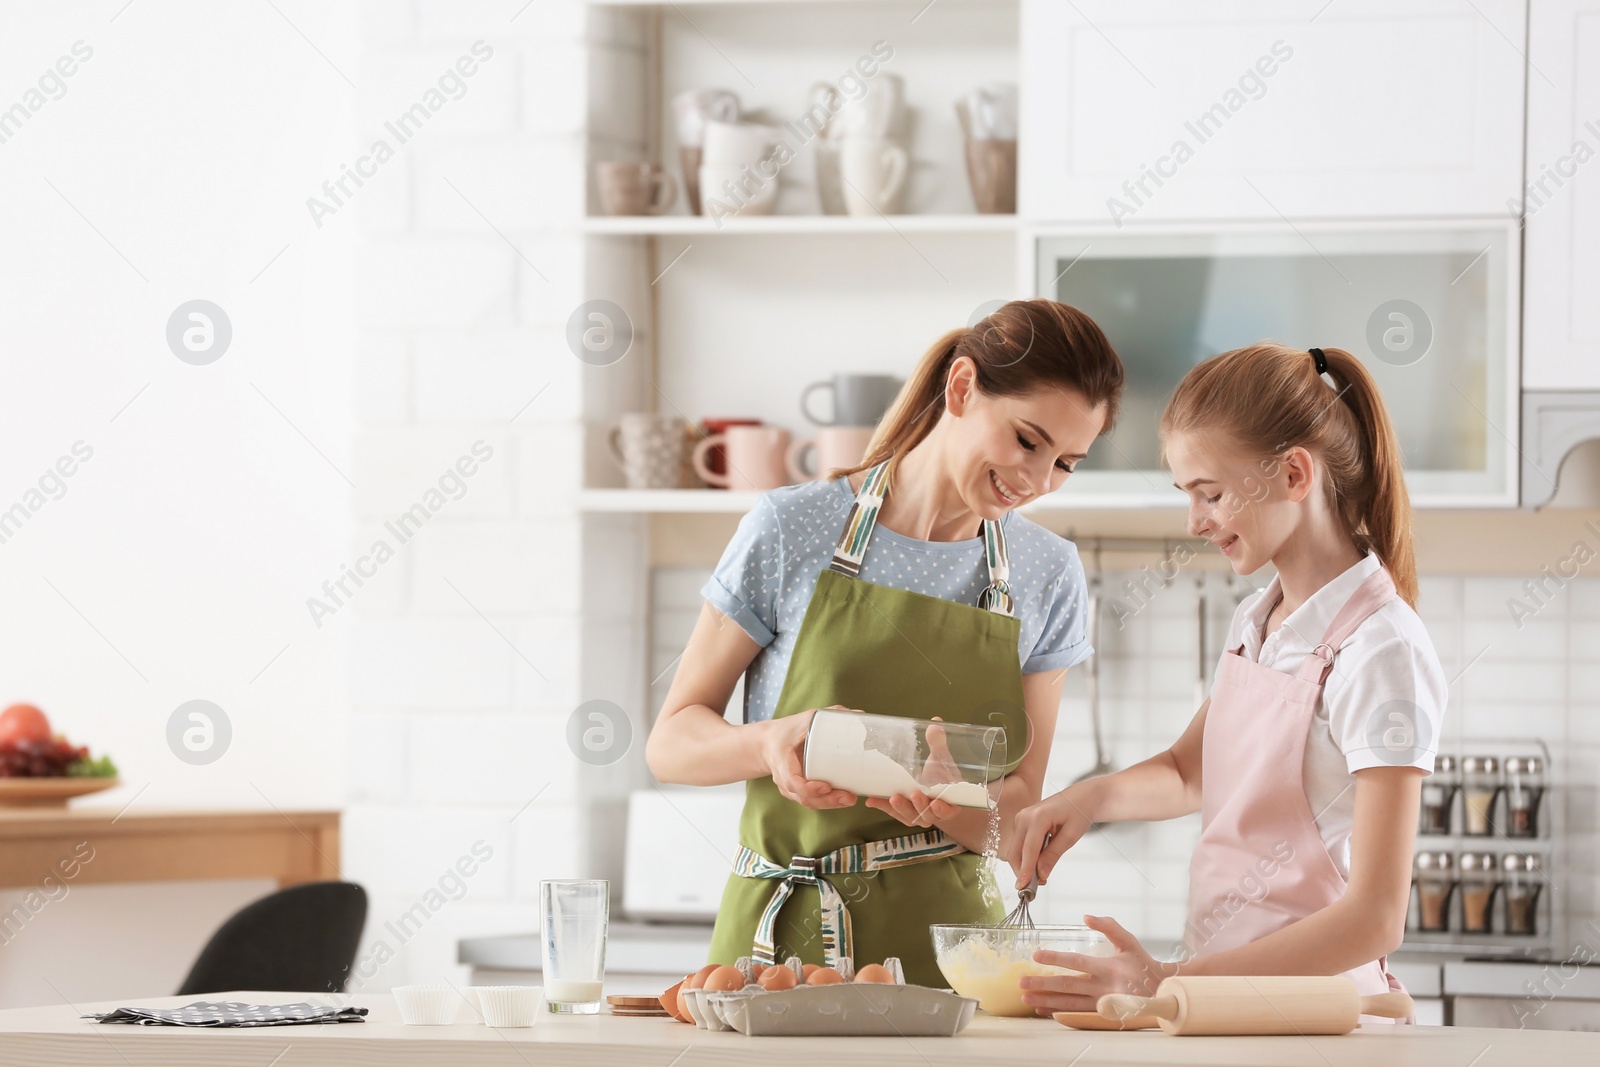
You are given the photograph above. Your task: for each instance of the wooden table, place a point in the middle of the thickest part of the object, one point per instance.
(55, 1036)
(109, 845)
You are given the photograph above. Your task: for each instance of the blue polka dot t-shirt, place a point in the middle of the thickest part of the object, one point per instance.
(768, 571)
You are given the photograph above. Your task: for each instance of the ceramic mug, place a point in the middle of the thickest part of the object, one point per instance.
(736, 191)
(757, 458)
(635, 189)
(731, 145)
(835, 447)
(649, 449)
(873, 171)
(858, 399)
(717, 459)
(693, 108)
(877, 113)
(992, 173)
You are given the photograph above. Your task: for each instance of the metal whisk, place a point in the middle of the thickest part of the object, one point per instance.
(1018, 916)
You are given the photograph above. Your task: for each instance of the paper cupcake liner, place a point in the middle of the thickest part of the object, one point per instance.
(509, 1005)
(427, 1005)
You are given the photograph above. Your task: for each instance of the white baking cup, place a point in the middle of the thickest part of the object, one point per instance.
(427, 1005)
(510, 1005)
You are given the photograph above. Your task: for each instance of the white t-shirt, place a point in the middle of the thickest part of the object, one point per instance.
(1381, 706)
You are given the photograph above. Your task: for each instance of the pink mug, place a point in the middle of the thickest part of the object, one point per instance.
(756, 457)
(835, 447)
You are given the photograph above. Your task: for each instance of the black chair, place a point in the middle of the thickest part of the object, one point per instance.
(300, 939)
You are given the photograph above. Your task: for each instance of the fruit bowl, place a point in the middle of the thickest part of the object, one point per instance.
(49, 792)
(987, 962)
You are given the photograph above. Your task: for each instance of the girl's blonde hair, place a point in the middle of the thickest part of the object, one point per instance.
(1269, 398)
(1022, 346)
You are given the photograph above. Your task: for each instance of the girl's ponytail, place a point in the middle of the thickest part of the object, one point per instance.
(1377, 508)
(1270, 397)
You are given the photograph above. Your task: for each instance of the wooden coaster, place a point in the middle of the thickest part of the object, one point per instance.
(634, 1002)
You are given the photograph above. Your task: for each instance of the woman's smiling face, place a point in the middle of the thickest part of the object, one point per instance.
(1008, 450)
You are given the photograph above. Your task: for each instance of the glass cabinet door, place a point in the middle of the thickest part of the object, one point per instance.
(1429, 309)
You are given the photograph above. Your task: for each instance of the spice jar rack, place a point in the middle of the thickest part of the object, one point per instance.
(1481, 878)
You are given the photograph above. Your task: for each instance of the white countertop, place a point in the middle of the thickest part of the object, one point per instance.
(55, 1036)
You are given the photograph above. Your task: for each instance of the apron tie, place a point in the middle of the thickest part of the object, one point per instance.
(806, 870)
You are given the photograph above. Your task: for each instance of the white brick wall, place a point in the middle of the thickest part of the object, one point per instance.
(454, 733)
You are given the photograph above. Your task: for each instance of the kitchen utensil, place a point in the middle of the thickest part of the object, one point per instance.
(649, 449)
(858, 399)
(635, 188)
(573, 942)
(834, 447)
(738, 191)
(691, 111)
(1089, 1020)
(886, 755)
(1268, 1004)
(1102, 760)
(427, 1005)
(873, 171)
(1018, 916)
(987, 962)
(757, 458)
(992, 174)
(509, 1005)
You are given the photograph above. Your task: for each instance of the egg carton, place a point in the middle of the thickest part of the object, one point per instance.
(847, 1009)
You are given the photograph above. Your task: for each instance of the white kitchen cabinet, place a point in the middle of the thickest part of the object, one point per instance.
(1260, 109)
(1561, 204)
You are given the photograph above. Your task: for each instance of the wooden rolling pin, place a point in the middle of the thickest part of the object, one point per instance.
(1282, 1004)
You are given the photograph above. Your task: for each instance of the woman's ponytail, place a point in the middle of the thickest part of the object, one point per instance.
(917, 407)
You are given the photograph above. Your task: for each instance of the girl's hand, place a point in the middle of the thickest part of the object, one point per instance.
(781, 751)
(1130, 970)
(1041, 834)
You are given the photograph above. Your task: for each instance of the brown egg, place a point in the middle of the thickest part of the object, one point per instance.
(694, 981)
(809, 969)
(825, 976)
(777, 978)
(669, 999)
(756, 970)
(875, 972)
(725, 979)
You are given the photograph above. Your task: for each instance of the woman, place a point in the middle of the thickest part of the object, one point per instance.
(903, 587)
(1306, 762)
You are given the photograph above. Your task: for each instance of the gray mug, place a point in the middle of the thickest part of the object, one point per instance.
(858, 399)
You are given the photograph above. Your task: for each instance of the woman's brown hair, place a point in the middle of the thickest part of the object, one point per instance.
(1269, 398)
(1021, 347)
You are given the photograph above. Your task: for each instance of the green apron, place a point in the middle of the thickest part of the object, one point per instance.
(856, 881)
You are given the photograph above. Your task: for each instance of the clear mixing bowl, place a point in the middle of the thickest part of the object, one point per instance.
(987, 962)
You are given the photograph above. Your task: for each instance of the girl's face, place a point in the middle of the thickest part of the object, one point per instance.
(1008, 450)
(1245, 505)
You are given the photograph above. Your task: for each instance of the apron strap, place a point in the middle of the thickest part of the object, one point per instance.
(806, 870)
(1369, 596)
(863, 520)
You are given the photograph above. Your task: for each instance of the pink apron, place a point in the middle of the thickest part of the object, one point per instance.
(1261, 863)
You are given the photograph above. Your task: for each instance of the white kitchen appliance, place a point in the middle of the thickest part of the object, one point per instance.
(679, 851)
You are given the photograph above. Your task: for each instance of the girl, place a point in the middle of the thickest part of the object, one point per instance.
(1307, 759)
(909, 587)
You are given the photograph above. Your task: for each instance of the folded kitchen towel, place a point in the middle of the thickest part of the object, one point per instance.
(231, 1013)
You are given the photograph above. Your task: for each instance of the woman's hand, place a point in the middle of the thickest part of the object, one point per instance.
(919, 809)
(781, 751)
(1041, 834)
(1130, 970)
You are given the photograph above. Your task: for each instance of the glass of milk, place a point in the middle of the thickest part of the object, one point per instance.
(573, 938)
